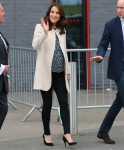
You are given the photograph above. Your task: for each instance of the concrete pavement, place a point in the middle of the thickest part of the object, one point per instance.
(18, 135)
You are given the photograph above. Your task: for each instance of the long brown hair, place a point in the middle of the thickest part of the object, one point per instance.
(61, 24)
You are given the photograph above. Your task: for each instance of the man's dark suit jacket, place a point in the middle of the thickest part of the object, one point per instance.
(4, 61)
(113, 34)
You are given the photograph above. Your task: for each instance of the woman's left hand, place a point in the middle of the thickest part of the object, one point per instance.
(9, 83)
(68, 76)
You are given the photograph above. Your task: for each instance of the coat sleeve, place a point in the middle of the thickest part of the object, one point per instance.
(39, 37)
(103, 46)
(66, 57)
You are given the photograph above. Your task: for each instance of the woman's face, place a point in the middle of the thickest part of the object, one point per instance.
(54, 15)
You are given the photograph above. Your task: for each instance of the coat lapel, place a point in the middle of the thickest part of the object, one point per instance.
(2, 45)
(119, 28)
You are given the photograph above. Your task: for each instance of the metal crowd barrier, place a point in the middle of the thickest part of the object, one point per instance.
(100, 94)
(102, 91)
(22, 67)
(73, 99)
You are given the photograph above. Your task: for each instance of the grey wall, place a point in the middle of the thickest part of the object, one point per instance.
(22, 15)
(101, 11)
(21, 18)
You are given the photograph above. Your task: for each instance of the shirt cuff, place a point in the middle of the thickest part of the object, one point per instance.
(2, 67)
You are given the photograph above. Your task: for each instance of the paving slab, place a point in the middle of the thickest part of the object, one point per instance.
(18, 135)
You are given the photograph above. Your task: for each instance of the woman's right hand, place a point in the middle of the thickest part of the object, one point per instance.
(45, 25)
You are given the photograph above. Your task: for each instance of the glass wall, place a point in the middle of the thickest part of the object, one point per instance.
(75, 11)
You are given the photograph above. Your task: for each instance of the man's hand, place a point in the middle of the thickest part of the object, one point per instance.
(5, 69)
(96, 58)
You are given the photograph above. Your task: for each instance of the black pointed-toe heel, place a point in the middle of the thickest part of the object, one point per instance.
(47, 144)
(70, 144)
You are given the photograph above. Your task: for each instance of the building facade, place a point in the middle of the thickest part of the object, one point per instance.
(23, 15)
(21, 18)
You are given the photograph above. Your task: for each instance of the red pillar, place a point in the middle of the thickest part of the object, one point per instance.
(88, 42)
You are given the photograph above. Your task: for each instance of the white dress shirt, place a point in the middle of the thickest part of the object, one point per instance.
(122, 24)
(2, 67)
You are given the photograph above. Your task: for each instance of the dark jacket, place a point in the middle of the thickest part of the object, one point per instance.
(113, 34)
(4, 61)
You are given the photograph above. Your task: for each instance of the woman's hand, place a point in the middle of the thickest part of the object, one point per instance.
(45, 25)
(68, 77)
(9, 83)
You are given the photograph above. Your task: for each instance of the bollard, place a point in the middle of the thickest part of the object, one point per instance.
(73, 99)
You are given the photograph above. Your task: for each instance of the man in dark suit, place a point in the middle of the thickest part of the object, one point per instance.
(113, 34)
(4, 49)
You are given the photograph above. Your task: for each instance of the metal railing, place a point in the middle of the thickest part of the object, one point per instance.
(22, 67)
(102, 90)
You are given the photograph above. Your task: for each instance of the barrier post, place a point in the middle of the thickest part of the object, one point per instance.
(73, 99)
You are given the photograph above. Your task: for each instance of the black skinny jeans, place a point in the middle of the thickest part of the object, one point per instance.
(59, 85)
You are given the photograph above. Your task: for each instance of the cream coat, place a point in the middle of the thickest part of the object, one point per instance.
(45, 46)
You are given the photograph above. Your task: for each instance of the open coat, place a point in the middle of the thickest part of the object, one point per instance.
(45, 46)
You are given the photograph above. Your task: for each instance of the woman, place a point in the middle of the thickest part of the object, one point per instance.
(52, 69)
